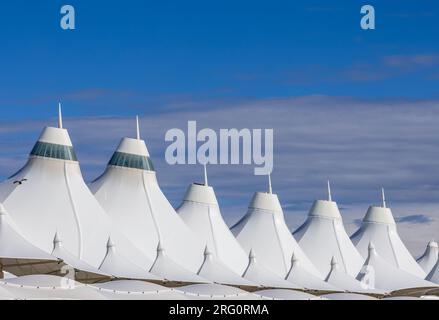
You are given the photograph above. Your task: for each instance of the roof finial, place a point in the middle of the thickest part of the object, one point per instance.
(137, 128)
(383, 198)
(206, 183)
(270, 189)
(329, 191)
(59, 116)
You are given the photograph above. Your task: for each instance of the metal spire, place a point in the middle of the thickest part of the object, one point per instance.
(270, 189)
(383, 198)
(137, 128)
(329, 191)
(59, 116)
(205, 175)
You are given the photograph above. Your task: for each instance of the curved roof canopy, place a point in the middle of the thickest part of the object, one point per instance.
(49, 196)
(264, 230)
(379, 227)
(129, 193)
(385, 276)
(200, 211)
(323, 236)
(430, 257)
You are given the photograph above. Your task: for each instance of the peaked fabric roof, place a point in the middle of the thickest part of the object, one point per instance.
(379, 227)
(341, 279)
(51, 186)
(430, 257)
(129, 193)
(213, 269)
(264, 230)
(200, 211)
(323, 236)
(384, 275)
(259, 274)
(433, 276)
(302, 277)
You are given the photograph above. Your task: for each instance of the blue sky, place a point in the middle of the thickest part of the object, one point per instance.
(303, 68)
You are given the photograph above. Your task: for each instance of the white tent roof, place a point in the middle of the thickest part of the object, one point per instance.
(263, 229)
(433, 276)
(119, 266)
(200, 211)
(166, 268)
(285, 294)
(430, 257)
(323, 236)
(379, 227)
(216, 292)
(50, 186)
(347, 296)
(302, 277)
(215, 270)
(341, 279)
(129, 192)
(136, 290)
(385, 276)
(13, 244)
(48, 287)
(266, 278)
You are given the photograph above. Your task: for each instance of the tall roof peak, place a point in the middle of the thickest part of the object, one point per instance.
(329, 191)
(383, 198)
(137, 128)
(59, 116)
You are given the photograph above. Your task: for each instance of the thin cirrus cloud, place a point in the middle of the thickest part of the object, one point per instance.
(359, 144)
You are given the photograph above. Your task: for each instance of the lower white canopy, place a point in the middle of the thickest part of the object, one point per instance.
(215, 291)
(347, 296)
(433, 276)
(385, 276)
(284, 294)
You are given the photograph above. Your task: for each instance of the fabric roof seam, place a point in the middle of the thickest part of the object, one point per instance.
(393, 249)
(338, 246)
(213, 234)
(75, 213)
(148, 198)
(280, 244)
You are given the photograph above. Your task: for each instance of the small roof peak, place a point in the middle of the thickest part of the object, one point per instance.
(334, 263)
(252, 254)
(57, 238)
(110, 244)
(431, 243)
(383, 198)
(137, 128)
(207, 251)
(59, 116)
(329, 190)
(160, 248)
(371, 247)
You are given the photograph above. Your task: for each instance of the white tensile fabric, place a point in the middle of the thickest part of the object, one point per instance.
(385, 276)
(213, 269)
(136, 290)
(433, 276)
(284, 294)
(49, 287)
(347, 296)
(129, 192)
(200, 211)
(259, 274)
(341, 279)
(168, 269)
(13, 244)
(430, 257)
(302, 277)
(48, 195)
(263, 229)
(215, 292)
(379, 227)
(323, 236)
